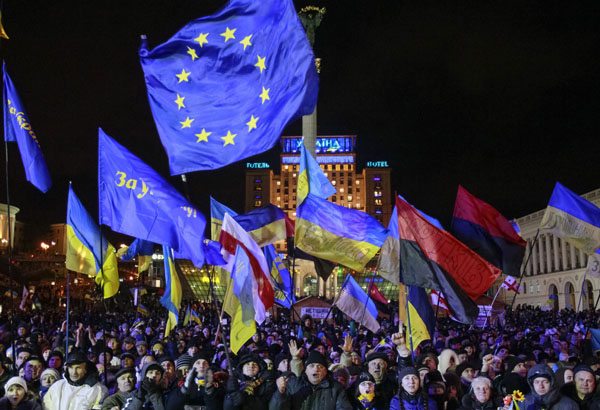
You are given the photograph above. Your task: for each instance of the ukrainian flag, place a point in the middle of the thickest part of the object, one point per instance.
(265, 225)
(572, 218)
(142, 249)
(311, 178)
(173, 292)
(86, 248)
(195, 317)
(143, 310)
(343, 235)
(186, 318)
(422, 317)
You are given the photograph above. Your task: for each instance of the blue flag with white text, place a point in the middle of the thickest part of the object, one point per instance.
(17, 128)
(224, 86)
(136, 201)
(282, 280)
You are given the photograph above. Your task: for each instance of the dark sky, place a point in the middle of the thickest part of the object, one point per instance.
(501, 97)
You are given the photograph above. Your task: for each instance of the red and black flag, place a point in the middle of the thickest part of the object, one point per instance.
(432, 258)
(482, 228)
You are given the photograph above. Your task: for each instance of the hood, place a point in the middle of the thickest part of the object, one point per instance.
(538, 370)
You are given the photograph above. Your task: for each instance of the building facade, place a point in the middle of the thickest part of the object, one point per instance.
(554, 275)
(368, 190)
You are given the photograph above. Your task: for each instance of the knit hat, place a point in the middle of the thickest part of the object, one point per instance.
(582, 368)
(364, 377)
(405, 371)
(462, 367)
(316, 357)
(513, 361)
(280, 358)
(185, 360)
(377, 355)
(51, 371)
(15, 380)
(77, 357)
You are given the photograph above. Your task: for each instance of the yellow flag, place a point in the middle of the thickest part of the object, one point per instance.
(2, 32)
(108, 276)
(240, 333)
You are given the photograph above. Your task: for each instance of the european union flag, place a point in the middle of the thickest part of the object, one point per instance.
(136, 201)
(17, 128)
(224, 87)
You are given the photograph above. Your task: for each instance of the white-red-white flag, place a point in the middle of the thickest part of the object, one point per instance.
(510, 283)
(232, 236)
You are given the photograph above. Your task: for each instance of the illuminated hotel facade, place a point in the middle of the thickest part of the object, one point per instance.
(368, 190)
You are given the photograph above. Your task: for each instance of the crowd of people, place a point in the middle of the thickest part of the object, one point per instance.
(533, 360)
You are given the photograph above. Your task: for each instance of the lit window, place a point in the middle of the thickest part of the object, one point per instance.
(294, 175)
(326, 174)
(357, 182)
(349, 197)
(294, 214)
(286, 167)
(376, 179)
(279, 198)
(257, 203)
(342, 189)
(358, 204)
(332, 182)
(279, 182)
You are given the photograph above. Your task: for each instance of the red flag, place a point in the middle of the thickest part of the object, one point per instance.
(377, 295)
(473, 274)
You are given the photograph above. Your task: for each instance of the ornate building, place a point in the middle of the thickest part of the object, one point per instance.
(555, 274)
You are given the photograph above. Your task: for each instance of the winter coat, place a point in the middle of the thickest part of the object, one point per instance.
(24, 405)
(412, 402)
(302, 395)
(237, 397)
(553, 400)
(385, 391)
(589, 402)
(114, 400)
(67, 395)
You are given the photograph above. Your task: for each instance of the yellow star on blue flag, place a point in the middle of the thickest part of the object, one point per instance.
(250, 60)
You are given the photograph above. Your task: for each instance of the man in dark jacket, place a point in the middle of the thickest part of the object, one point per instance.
(544, 395)
(313, 390)
(582, 391)
(251, 385)
(150, 394)
(125, 385)
(386, 386)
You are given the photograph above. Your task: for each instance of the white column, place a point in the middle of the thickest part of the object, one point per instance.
(529, 267)
(548, 255)
(556, 253)
(563, 249)
(582, 260)
(534, 258)
(573, 258)
(541, 249)
(335, 283)
(321, 287)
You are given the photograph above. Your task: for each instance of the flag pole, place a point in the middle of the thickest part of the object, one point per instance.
(9, 250)
(67, 328)
(492, 305)
(537, 234)
(412, 350)
(229, 367)
(368, 298)
(437, 307)
(581, 293)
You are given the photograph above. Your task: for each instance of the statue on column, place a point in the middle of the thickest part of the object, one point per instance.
(311, 17)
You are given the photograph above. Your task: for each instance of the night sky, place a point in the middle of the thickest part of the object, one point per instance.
(501, 97)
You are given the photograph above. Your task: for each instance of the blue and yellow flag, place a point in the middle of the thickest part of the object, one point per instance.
(282, 280)
(422, 317)
(188, 316)
(217, 214)
(242, 285)
(329, 231)
(136, 201)
(572, 218)
(143, 310)
(140, 248)
(87, 252)
(195, 317)
(173, 292)
(224, 87)
(265, 225)
(17, 128)
(311, 178)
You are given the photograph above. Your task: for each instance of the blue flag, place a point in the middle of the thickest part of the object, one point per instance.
(136, 201)
(282, 280)
(572, 218)
(311, 178)
(224, 87)
(212, 252)
(171, 299)
(17, 128)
